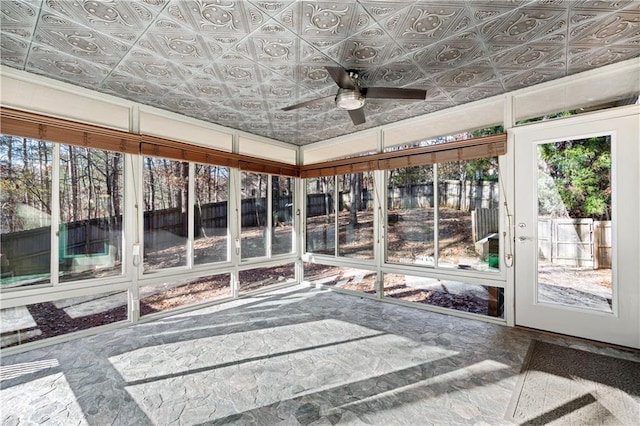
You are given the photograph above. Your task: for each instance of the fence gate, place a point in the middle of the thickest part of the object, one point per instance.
(575, 242)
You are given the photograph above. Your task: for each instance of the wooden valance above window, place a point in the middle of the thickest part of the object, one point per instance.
(35, 126)
(469, 149)
(41, 127)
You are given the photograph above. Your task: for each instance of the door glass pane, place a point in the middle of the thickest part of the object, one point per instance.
(574, 223)
(210, 214)
(321, 225)
(25, 216)
(254, 215)
(355, 220)
(166, 190)
(91, 183)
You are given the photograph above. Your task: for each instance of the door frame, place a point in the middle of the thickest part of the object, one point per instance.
(622, 326)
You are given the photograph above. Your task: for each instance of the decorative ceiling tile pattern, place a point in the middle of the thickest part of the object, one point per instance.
(238, 63)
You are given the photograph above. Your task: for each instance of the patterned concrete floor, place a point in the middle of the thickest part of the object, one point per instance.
(294, 356)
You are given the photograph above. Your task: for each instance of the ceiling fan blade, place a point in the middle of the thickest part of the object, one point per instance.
(394, 93)
(357, 116)
(308, 103)
(341, 77)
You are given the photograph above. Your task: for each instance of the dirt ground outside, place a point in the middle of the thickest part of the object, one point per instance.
(575, 286)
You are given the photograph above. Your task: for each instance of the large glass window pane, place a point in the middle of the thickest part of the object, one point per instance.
(341, 277)
(210, 214)
(320, 216)
(91, 183)
(355, 220)
(457, 295)
(39, 321)
(25, 216)
(282, 235)
(410, 216)
(166, 188)
(574, 223)
(253, 210)
(259, 278)
(468, 212)
(176, 293)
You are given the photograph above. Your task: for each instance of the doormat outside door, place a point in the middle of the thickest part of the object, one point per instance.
(561, 385)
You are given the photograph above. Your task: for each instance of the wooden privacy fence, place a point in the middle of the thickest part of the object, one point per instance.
(484, 222)
(575, 242)
(319, 204)
(26, 252)
(460, 195)
(29, 252)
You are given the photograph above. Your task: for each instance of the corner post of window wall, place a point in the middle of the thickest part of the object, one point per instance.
(132, 220)
(336, 216)
(132, 230)
(299, 215)
(507, 225)
(235, 222)
(379, 231)
(55, 216)
(436, 215)
(191, 197)
(268, 234)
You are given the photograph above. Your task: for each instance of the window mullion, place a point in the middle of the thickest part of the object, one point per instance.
(268, 240)
(380, 231)
(190, 216)
(233, 226)
(436, 216)
(55, 216)
(300, 224)
(336, 223)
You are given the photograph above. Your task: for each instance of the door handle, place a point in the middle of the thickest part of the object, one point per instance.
(523, 239)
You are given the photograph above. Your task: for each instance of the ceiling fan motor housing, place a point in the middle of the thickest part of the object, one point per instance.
(349, 99)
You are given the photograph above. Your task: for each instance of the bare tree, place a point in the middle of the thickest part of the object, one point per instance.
(355, 194)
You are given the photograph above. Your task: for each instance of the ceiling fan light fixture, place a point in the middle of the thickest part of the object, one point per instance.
(349, 99)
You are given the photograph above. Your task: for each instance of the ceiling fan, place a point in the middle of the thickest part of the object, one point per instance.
(351, 96)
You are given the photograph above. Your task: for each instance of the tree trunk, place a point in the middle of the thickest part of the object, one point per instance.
(184, 197)
(9, 206)
(327, 198)
(355, 189)
(114, 185)
(43, 154)
(73, 171)
(93, 197)
(25, 172)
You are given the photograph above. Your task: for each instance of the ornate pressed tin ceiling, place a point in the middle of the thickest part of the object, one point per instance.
(238, 63)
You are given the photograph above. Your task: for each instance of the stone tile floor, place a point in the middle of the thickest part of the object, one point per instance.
(298, 355)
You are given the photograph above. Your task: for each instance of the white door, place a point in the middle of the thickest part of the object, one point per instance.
(577, 226)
